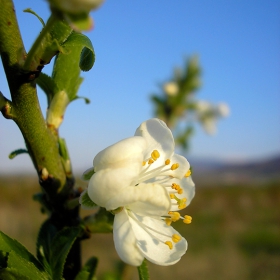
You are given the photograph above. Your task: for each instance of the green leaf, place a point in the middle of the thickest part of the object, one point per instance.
(88, 173)
(86, 202)
(48, 85)
(88, 271)
(60, 247)
(33, 13)
(17, 152)
(20, 268)
(17, 263)
(87, 59)
(44, 244)
(47, 45)
(8, 244)
(100, 222)
(143, 271)
(66, 72)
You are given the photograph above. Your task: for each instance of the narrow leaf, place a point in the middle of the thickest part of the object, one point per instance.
(17, 152)
(44, 242)
(60, 248)
(35, 14)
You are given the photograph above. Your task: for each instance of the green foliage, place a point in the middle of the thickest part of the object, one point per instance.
(53, 247)
(175, 101)
(88, 271)
(17, 263)
(100, 222)
(85, 201)
(88, 173)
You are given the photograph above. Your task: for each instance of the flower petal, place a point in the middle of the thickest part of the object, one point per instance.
(144, 199)
(123, 153)
(125, 241)
(158, 136)
(108, 183)
(151, 235)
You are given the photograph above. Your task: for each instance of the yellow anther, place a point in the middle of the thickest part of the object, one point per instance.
(181, 203)
(167, 162)
(187, 219)
(143, 163)
(176, 238)
(177, 187)
(188, 173)
(180, 191)
(155, 155)
(182, 206)
(150, 161)
(169, 244)
(168, 221)
(174, 166)
(174, 216)
(172, 195)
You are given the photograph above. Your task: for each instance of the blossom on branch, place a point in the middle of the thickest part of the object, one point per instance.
(144, 183)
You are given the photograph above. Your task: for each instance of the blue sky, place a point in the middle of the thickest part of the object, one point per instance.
(138, 44)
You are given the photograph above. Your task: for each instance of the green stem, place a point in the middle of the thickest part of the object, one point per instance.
(41, 144)
(38, 43)
(143, 271)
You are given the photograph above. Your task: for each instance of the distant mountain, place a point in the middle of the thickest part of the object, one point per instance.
(219, 172)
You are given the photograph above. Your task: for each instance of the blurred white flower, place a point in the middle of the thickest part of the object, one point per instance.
(144, 183)
(171, 88)
(208, 114)
(223, 110)
(76, 6)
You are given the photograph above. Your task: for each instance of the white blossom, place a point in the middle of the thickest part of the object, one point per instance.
(144, 183)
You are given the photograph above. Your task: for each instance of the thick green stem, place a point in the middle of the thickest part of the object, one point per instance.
(41, 144)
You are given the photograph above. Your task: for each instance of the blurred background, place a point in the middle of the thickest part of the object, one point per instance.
(236, 216)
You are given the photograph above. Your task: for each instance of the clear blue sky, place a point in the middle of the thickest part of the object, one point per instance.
(138, 44)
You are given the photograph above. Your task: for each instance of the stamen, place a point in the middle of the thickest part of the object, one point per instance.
(174, 166)
(144, 163)
(180, 191)
(168, 221)
(187, 219)
(188, 173)
(174, 216)
(176, 238)
(167, 161)
(155, 154)
(169, 244)
(151, 161)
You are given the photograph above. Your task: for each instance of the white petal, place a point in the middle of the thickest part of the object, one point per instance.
(151, 234)
(180, 172)
(121, 154)
(108, 183)
(158, 135)
(144, 199)
(125, 241)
